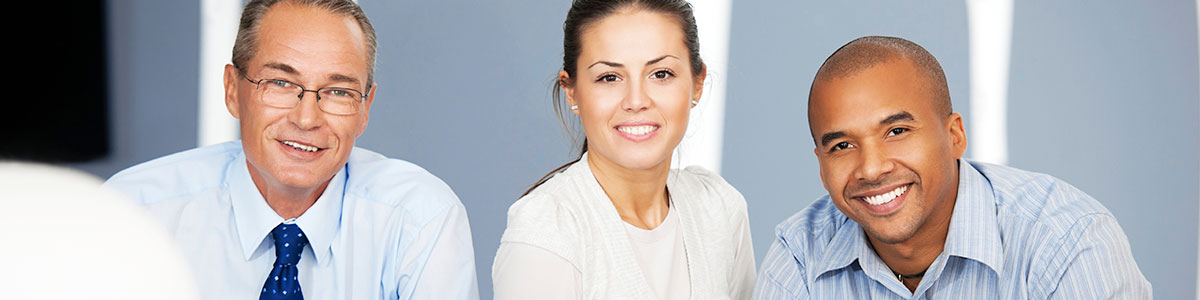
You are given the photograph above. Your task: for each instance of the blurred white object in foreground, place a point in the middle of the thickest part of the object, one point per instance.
(65, 237)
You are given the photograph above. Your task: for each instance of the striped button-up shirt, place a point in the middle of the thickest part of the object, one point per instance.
(1013, 235)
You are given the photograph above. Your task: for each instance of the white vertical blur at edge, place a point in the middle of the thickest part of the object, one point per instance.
(218, 28)
(67, 237)
(702, 144)
(990, 34)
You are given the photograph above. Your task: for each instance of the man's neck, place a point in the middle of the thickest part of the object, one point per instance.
(640, 196)
(915, 255)
(287, 201)
(918, 252)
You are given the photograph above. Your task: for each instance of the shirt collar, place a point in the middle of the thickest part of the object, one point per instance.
(849, 243)
(973, 233)
(254, 219)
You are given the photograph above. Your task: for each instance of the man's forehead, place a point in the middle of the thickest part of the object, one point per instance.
(862, 119)
(308, 41)
(873, 93)
(273, 66)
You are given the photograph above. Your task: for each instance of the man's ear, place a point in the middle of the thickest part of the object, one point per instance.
(564, 82)
(231, 94)
(367, 107)
(820, 171)
(958, 136)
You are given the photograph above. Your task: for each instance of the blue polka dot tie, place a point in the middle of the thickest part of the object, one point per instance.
(282, 282)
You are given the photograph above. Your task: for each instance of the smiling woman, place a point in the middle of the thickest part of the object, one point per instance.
(618, 222)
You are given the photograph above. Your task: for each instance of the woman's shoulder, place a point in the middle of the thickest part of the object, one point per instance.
(710, 187)
(550, 217)
(541, 209)
(559, 193)
(703, 175)
(555, 207)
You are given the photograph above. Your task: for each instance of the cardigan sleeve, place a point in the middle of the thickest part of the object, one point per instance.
(537, 256)
(742, 276)
(524, 271)
(743, 262)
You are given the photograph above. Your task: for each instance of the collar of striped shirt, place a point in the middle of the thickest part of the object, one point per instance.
(974, 233)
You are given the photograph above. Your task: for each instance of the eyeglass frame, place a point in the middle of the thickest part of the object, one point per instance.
(300, 96)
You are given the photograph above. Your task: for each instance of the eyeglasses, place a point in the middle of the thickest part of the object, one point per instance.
(280, 93)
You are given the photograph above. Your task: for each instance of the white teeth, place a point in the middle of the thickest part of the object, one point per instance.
(637, 130)
(302, 147)
(886, 197)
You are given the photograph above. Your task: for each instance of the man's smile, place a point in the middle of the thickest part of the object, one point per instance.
(301, 146)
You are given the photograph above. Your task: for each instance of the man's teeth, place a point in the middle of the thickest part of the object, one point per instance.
(637, 130)
(301, 146)
(886, 197)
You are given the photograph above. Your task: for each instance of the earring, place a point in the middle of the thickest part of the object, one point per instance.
(694, 102)
(574, 107)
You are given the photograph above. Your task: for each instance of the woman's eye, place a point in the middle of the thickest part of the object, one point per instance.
(608, 78)
(663, 74)
(840, 146)
(897, 131)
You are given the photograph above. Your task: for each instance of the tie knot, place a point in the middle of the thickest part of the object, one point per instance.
(289, 242)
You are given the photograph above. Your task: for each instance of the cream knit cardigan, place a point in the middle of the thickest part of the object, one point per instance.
(571, 216)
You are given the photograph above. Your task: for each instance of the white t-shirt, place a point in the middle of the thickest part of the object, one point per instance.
(565, 240)
(661, 256)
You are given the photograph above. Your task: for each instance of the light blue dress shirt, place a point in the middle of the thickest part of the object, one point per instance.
(382, 229)
(1013, 235)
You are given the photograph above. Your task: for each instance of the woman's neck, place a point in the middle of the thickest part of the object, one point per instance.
(639, 195)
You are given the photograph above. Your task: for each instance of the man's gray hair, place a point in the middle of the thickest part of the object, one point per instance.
(245, 46)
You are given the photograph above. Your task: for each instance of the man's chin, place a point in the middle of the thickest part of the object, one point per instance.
(300, 177)
(892, 234)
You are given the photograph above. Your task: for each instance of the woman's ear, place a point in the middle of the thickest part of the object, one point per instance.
(564, 82)
(698, 89)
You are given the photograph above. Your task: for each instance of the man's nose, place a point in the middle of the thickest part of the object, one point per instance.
(307, 114)
(875, 164)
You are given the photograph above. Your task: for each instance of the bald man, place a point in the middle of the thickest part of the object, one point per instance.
(907, 218)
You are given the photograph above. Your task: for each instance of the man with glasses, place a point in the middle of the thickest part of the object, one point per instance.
(294, 209)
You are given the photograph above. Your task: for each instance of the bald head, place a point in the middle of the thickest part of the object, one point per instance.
(866, 52)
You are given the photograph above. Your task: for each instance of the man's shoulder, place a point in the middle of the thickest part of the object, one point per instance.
(176, 174)
(396, 183)
(809, 232)
(1054, 206)
(1049, 227)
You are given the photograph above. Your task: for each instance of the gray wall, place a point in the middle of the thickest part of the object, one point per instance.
(1105, 97)
(464, 92)
(1102, 95)
(154, 50)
